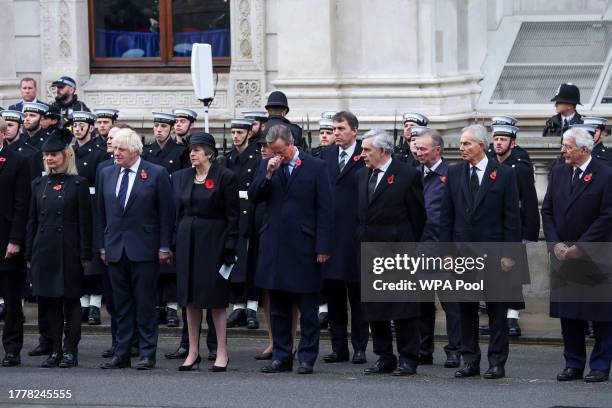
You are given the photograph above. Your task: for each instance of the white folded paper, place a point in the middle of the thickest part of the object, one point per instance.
(92, 190)
(226, 270)
(243, 194)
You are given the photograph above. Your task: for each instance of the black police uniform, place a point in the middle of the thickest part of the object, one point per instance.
(31, 153)
(68, 108)
(38, 138)
(296, 131)
(402, 153)
(555, 126)
(171, 156)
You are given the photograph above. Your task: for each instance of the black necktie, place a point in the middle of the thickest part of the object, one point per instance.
(372, 183)
(474, 184)
(565, 124)
(123, 188)
(576, 177)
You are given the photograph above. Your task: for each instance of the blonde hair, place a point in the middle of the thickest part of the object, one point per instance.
(2, 125)
(69, 162)
(128, 139)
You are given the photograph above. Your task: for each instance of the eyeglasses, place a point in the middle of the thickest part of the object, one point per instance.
(567, 147)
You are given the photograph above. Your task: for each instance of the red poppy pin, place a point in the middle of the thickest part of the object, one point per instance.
(209, 184)
(493, 175)
(588, 177)
(298, 163)
(143, 174)
(2, 159)
(391, 179)
(356, 158)
(443, 179)
(57, 187)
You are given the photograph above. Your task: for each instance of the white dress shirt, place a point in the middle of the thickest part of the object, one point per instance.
(383, 170)
(349, 152)
(132, 177)
(481, 166)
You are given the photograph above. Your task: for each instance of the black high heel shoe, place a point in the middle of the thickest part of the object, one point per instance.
(219, 369)
(189, 367)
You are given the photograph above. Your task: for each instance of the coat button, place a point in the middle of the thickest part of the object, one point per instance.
(60, 197)
(59, 212)
(250, 156)
(44, 197)
(59, 229)
(249, 170)
(244, 212)
(48, 181)
(170, 162)
(85, 164)
(42, 212)
(89, 150)
(248, 184)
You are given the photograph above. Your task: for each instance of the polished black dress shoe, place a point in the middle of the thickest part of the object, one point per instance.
(180, 352)
(40, 350)
(219, 369)
(172, 319)
(251, 319)
(145, 363)
(404, 368)
(595, 376)
(494, 372)
(381, 367)
(264, 356)
(69, 360)
(52, 361)
(468, 370)
(452, 361)
(237, 318)
(305, 368)
(514, 330)
(115, 363)
(11, 360)
(108, 353)
(161, 315)
(323, 320)
(212, 356)
(277, 366)
(359, 357)
(425, 359)
(93, 319)
(336, 357)
(84, 314)
(484, 330)
(192, 366)
(570, 374)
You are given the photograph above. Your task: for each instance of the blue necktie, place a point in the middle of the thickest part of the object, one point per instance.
(123, 188)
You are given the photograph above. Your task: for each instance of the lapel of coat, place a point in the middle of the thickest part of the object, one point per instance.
(465, 183)
(139, 180)
(351, 162)
(487, 181)
(387, 179)
(296, 169)
(187, 185)
(582, 184)
(4, 156)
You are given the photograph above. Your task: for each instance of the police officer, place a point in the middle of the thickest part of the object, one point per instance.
(566, 99)
(106, 118)
(185, 119)
(326, 136)
(34, 112)
(600, 151)
(517, 151)
(243, 160)
(51, 119)
(88, 155)
(404, 150)
(165, 152)
(278, 108)
(260, 119)
(67, 99)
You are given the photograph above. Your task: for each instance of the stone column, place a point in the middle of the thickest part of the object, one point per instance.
(8, 72)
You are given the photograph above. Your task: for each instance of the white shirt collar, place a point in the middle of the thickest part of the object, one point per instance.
(586, 164)
(481, 165)
(349, 150)
(385, 166)
(134, 167)
(568, 118)
(435, 166)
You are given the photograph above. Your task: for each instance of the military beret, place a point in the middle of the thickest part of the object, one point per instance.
(504, 130)
(168, 118)
(241, 124)
(417, 118)
(85, 117)
(12, 116)
(108, 113)
(186, 114)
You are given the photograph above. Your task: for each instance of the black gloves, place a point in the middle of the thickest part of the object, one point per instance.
(229, 257)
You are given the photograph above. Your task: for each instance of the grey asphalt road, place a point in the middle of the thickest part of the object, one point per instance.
(531, 382)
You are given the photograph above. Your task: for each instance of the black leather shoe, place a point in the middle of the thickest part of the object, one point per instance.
(570, 374)
(494, 372)
(251, 319)
(108, 353)
(305, 368)
(381, 367)
(69, 360)
(219, 369)
(40, 350)
(468, 370)
(52, 361)
(277, 366)
(452, 361)
(181, 352)
(11, 360)
(193, 366)
(161, 315)
(172, 319)
(212, 356)
(145, 363)
(425, 359)
(596, 376)
(323, 321)
(2, 311)
(264, 356)
(404, 368)
(84, 314)
(359, 357)
(94, 316)
(237, 318)
(115, 363)
(484, 330)
(514, 330)
(134, 352)
(336, 357)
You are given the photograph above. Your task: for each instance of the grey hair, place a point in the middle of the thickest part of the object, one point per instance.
(279, 132)
(128, 139)
(436, 138)
(479, 132)
(381, 139)
(581, 136)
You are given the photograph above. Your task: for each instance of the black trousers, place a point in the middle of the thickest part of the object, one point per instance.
(64, 317)
(281, 316)
(499, 344)
(134, 288)
(575, 346)
(211, 335)
(336, 293)
(406, 337)
(166, 289)
(110, 305)
(427, 324)
(241, 292)
(11, 284)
